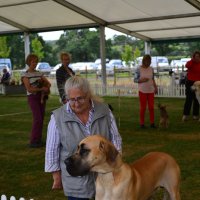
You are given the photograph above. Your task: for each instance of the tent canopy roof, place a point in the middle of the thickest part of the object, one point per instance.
(149, 20)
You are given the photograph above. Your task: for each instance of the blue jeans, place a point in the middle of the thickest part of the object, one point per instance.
(75, 198)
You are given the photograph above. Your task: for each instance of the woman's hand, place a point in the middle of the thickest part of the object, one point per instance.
(57, 181)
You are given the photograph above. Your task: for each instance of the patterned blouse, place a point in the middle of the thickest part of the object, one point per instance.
(34, 79)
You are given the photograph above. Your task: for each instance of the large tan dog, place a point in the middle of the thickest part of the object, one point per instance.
(117, 180)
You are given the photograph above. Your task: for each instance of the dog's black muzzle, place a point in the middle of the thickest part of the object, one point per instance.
(69, 166)
(75, 167)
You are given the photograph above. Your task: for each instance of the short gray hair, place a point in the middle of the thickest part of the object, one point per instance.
(81, 83)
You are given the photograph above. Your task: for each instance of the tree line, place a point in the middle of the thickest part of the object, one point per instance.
(84, 46)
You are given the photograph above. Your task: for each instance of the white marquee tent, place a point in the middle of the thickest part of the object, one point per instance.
(145, 19)
(149, 20)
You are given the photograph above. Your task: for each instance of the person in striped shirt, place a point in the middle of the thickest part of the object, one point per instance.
(84, 114)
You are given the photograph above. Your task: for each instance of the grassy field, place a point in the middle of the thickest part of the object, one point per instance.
(22, 168)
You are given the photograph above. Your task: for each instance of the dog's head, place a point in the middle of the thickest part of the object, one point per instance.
(162, 107)
(94, 153)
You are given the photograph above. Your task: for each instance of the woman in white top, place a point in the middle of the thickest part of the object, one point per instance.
(144, 76)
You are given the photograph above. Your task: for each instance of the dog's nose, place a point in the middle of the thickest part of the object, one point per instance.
(68, 161)
(69, 165)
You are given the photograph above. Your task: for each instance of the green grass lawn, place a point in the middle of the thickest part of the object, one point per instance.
(22, 168)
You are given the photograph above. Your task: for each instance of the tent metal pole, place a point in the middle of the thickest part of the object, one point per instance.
(26, 44)
(103, 59)
(147, 48)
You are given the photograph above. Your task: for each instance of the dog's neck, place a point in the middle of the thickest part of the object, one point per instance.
(109, 167)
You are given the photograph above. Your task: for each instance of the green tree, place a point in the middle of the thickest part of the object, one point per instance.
(37, 48)
(48, 49)
(194, 46)
(4, 49)
(49, 54)
(83, 44)
(136, 54)
(127, 55)
(119, 43)
(15, 43)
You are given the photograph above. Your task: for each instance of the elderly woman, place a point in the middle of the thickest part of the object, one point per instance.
(81, 116)
(32, 81)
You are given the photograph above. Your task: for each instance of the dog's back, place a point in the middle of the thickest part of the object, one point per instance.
(167, 174)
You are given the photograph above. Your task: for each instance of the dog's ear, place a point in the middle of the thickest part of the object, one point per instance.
(109, 150)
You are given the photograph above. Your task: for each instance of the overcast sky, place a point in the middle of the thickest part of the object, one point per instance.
(55, 35)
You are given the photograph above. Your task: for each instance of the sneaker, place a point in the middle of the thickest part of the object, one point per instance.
(153, 125)
(185, 118)
(195, 117)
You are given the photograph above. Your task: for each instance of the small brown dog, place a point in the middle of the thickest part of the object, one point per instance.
(164, 118)
(45, 95)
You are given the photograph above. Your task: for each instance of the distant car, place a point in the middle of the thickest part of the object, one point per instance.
(159, 63)
(114, 63)
(173, 63)
(44, 67)
(177, 66)
(6, 61)
(98, 63)
(53, 70)
(117, 63)
(82, 66)
(184, 61)
(109, 70)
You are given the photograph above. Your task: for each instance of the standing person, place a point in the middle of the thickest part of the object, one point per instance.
(5, 79)
(31, 79)
(62, 74)
(144, 76)
(81, 116)
(193, 74)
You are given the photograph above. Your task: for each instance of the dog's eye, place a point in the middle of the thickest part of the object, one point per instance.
(84, 152)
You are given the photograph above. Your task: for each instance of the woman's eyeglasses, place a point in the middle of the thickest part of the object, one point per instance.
(80, 100)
